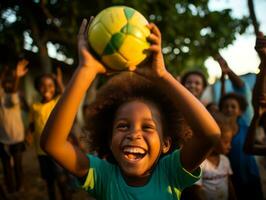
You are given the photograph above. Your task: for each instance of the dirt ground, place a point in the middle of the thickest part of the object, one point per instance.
(34, 187)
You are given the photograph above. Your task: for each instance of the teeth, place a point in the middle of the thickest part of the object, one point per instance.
(134, 150)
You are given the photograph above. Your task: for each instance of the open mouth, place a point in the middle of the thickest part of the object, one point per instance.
(134, 153)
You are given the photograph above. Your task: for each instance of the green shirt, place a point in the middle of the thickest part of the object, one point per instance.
(168, 179)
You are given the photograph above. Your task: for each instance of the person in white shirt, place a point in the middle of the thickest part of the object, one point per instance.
(215, 183)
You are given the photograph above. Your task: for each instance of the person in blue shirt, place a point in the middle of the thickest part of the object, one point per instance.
(238, 85)
(246, 179)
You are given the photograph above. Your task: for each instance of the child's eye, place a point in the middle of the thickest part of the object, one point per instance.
(122, 126)
(148, 127)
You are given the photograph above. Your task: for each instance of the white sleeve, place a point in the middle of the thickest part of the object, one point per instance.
(203, 168)
(227, 164)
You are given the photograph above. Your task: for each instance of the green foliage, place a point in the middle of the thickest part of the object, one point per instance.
(190, 31)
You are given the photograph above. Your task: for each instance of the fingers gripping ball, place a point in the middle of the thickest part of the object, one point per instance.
(118, 35)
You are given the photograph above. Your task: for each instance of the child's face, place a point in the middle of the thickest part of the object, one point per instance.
(213, 108)
(194, 84)
(47, 89)
(225, 142)
(231, 108)
(137, 139)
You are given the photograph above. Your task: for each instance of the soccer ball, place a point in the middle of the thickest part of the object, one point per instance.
(118, 36)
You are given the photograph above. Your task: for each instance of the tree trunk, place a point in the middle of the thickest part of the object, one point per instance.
(38, 37)
(45, 61)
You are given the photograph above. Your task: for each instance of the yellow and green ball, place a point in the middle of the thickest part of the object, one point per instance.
(119, 37)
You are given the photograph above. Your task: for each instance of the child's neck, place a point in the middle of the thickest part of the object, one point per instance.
(137, 181)
(45, 100)
(214, 158)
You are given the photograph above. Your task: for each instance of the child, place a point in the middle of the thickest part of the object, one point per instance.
(49, 88)
(195, 82)
(215, 182)
(11, 127)
(136, 131)
(238, 85)
(212, 107)
(246, 178)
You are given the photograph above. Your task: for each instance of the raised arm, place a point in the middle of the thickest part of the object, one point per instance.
(260, 85)
(258, 101)
(21, 70)
(54, 138)
(235, 79)
(59, 79)
(205, 130)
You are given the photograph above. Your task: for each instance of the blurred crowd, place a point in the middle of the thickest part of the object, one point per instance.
(235, 169)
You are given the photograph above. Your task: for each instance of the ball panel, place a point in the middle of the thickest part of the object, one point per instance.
(114, 44)
(98, 38)
(132, 44)
(139, 21)
(109, 49)
(135, 31)
(115, 61)
(129, 12)
(113, 19)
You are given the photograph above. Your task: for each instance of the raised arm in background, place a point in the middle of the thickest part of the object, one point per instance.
(54, 138)
(258, 101)
(235, 79)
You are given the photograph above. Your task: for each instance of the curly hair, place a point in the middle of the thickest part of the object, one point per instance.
(242, 102)
(123, 88)
(194, 72)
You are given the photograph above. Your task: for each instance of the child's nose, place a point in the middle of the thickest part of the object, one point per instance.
(134, 134)
(192, 84)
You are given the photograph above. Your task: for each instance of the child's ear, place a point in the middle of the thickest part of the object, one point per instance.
(167, 142)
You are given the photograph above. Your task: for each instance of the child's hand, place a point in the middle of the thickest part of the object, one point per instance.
(22, 69)
(154, 67)
(222, 63)
(261, 45)
(85, 57)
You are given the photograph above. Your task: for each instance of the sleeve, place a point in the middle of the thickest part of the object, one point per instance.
(226, 165)
(202, 166)
(178, 175)
(199, 182)
(98, 175)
